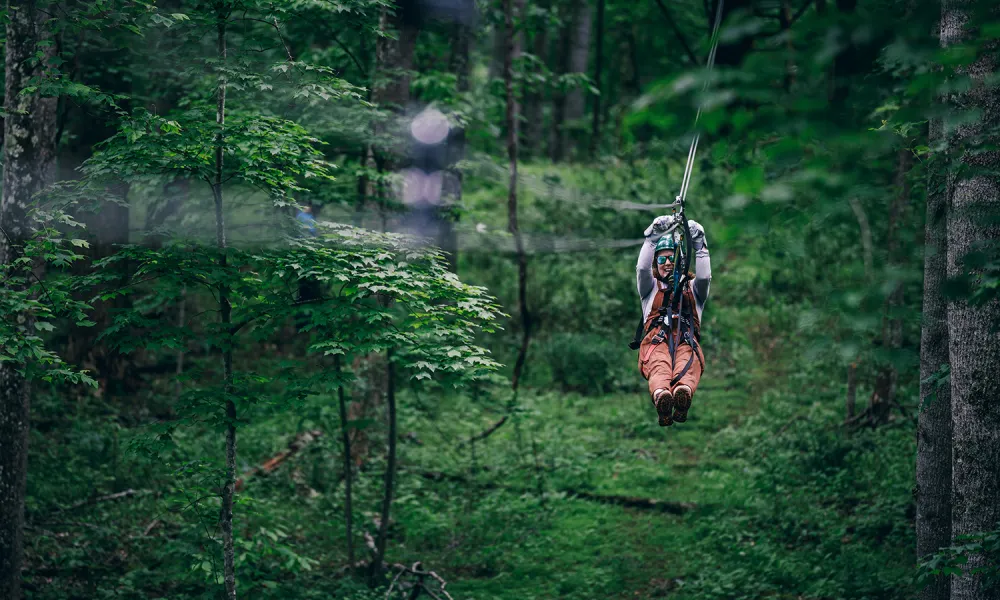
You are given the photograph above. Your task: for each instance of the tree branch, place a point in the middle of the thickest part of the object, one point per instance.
(485, 433)
(677, 32)
(274, 24)
(350, 55)
(786, 26)
(115, 496)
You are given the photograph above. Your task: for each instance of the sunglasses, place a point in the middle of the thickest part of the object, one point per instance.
(662, 260)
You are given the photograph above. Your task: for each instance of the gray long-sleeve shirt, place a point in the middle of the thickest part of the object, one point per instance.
(648, 285)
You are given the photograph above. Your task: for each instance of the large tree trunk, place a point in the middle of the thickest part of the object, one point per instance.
(29, 153)
(390, 90)
(973, 340)
(393, 62)
(933, 522)
(394, 57)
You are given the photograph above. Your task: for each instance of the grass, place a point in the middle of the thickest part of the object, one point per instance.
(786, 504)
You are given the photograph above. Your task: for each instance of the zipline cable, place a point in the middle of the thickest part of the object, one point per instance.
(685, 182)
(680, 271)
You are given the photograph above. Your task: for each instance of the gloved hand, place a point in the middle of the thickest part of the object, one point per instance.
(697, 235)
(659, 225)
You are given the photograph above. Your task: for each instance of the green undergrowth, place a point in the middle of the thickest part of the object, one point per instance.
(761, 493)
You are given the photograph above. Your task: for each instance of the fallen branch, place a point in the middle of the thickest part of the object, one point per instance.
(270, 465)
(486, 432)
(792, 421)
(674, 508)
(149, 528)
(857, 418)
(416, 571)
(666, 506)
(116, 496)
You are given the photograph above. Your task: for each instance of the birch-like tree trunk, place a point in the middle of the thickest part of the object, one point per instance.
(973, 339)
(29, 152)
(933, 522)
(225, 310)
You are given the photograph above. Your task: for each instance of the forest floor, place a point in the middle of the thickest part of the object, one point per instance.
(610, 448)
(762, 493)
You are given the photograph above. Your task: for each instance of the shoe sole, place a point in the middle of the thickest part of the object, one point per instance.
(682, 402)
(663, 409)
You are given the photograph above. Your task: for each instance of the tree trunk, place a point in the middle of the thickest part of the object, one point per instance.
(390, 474)
(595, 125)
(635, 74)
(933, 521)
(393, 62)
(461, 46)
(786, 23)
(394, 57)
(973, 341)
(731, 51)
(575, 45)
(892, 326)
(348, 476)
(390, 90)
(534, 97)
(29, 153)
(513, 50)
(852, 390)
(561, 66)
(579, 52)
(225, 309)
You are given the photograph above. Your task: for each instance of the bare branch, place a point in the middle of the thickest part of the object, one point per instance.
(487, 432)
(677, 32)
(116, 496)
(350, 55)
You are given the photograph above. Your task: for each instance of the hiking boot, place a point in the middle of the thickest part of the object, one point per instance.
(664, 402)
(682, 402)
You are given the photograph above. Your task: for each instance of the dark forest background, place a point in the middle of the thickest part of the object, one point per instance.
(332, 298)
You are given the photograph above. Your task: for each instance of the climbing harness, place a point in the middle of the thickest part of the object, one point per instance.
(673, 327)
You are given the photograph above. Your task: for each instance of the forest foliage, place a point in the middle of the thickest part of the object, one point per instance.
(169, 295)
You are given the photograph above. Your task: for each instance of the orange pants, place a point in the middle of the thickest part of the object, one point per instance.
(656, 366)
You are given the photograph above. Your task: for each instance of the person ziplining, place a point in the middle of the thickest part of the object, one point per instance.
(669, 335)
